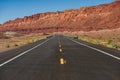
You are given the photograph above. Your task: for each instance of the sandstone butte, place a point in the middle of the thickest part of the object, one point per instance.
(94, 18)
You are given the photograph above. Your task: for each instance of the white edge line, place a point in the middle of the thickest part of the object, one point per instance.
(22, 53)
(96, 49)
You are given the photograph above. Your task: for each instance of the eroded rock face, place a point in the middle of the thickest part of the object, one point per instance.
(106, 16)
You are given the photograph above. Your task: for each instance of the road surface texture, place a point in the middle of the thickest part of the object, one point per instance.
(60, 58)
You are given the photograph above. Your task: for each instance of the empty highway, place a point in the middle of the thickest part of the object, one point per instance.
(60, 58)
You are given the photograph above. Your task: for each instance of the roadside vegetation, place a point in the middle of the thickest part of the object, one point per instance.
(108, 43)
(106, 38)
(16, 41)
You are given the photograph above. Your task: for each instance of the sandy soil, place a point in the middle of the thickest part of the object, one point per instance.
(13, 42)
(99, 37)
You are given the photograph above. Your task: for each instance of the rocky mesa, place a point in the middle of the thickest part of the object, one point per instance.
(105, 16)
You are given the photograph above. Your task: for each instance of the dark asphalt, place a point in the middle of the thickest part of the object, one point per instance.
(60, 59)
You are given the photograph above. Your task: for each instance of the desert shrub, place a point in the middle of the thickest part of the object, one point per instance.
(113, 44)
(15, 45)
(7, 46)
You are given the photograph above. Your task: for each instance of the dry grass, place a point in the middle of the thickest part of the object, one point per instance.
(109, 38)
(19, 41)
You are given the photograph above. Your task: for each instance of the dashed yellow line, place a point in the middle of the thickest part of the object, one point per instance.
(62, 61)
(60, 46)
(60, 50)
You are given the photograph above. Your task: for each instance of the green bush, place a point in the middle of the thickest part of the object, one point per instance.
(113, 44)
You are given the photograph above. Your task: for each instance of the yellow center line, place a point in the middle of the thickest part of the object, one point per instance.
(62, 61)
(60, 46)
(60, 50)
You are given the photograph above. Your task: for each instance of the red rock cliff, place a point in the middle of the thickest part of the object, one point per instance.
(106, 16)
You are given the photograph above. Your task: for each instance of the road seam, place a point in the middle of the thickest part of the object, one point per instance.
(96, 49)
(23, 53)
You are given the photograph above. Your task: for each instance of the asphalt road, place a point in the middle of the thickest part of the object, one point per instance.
(60, 58)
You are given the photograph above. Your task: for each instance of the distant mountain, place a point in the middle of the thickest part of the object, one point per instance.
(105, 16)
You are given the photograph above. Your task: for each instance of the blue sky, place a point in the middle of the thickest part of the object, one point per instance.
(11, 9)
